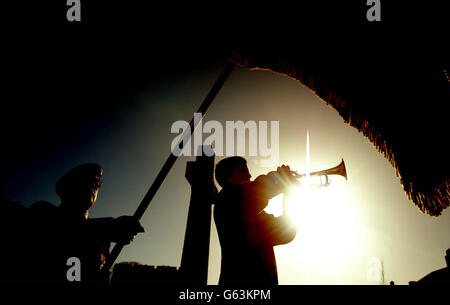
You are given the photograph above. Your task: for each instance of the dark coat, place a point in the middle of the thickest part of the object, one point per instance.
(56, 236)
(247, 234)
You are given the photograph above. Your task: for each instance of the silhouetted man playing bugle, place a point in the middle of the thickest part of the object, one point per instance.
(247, 234)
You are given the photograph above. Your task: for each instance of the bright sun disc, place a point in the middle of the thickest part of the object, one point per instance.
(327, 228)
(326, 224)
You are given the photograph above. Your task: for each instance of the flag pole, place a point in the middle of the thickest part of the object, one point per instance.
(171, 160)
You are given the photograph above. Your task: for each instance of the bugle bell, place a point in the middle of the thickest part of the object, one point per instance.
(337, 170)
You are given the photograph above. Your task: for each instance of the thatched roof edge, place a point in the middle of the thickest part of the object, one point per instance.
(432, 202)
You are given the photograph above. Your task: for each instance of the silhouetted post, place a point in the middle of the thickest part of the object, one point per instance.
(194, 261)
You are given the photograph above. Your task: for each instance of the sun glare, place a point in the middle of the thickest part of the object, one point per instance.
(327, 232)
(326, 224)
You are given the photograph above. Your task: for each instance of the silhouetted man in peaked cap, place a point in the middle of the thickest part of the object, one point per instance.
(66, 231)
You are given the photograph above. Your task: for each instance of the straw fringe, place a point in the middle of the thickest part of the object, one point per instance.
(430, 202)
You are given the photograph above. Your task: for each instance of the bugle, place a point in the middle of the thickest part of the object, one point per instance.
(337, 170)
